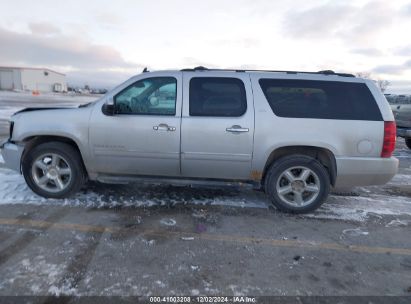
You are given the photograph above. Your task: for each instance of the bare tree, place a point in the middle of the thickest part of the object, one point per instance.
(366, 75)
(381, 83)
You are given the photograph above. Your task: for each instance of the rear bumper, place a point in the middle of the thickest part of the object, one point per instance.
(12, 155)
(365, 171)
(403, 132)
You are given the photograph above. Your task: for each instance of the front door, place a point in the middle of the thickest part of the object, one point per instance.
(217, 126)
(143, 136)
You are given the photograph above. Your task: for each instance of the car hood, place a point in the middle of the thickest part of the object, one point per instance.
(51, 108)
(51, 121)
(40, 109)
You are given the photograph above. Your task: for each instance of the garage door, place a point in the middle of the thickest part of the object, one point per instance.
(6, 80)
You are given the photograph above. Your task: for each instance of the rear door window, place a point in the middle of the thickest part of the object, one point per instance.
(320, 99)
(217, 96)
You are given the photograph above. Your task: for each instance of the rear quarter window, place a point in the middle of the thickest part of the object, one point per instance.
(320, 99)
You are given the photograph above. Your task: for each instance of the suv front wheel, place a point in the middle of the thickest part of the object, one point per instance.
(53, 170)
(297, 184)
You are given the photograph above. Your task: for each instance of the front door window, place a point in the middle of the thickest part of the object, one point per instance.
(151, 96)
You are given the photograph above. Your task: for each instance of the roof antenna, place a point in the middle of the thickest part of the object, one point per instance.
(145, 70)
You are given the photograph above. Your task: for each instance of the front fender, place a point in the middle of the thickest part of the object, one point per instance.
(72, 124)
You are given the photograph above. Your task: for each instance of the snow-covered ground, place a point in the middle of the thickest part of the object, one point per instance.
(13, 190)
(23, 96)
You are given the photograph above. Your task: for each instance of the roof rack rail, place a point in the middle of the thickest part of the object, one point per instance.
(324, 72)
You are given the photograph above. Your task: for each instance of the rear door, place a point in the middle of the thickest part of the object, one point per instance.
(217, 125)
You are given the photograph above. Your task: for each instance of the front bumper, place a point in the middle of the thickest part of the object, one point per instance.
(12, 155)
(365, 171)
(403, 132)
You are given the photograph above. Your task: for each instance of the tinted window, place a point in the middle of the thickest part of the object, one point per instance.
(320, 99)
(151, 96)
(215, 96)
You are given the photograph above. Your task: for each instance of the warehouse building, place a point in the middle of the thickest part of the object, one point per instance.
(32, 79)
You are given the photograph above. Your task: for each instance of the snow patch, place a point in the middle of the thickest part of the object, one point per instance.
(1, 159)
(400, 179)
(13, 190)
(187, 238)
(195, 292)
(360, 208)
(355, 232)
(36, 276)
(160, 284)
(149, 242)
(398, 223)
(168, 222)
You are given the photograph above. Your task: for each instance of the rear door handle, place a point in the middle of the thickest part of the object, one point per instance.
(164, 127)
(237, 129)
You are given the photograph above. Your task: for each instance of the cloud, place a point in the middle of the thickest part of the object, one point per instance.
(98, 78)
(43, 28)
(403, 51)
(109, 20)
(344, 21)
(192, 62)
(393, 69)
(407, 9)
(400, 87)
(246, 42)
(317, 22)
(367, 52)
(57, 50)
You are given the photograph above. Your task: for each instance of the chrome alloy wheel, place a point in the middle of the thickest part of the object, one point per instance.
(51, 172)
(298, 186)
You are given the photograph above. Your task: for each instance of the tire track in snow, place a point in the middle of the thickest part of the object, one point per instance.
(28, 237)
(76, 270)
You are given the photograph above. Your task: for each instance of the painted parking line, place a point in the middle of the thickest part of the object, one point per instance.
(209, 237)
(50, 225)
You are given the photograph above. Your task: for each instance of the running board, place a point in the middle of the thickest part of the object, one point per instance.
(114, 179)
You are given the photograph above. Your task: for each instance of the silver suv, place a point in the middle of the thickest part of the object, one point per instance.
(292, 134)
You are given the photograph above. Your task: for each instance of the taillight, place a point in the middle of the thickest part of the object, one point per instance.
(390, 136)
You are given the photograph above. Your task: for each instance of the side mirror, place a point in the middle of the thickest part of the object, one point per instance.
(108, 107)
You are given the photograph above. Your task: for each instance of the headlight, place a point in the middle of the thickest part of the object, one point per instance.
(11, 129)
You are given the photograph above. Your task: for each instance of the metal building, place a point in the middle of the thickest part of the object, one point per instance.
(32, 79)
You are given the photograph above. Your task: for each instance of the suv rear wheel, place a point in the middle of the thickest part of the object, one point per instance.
(408, 142)
(297, 184)
(53, 170)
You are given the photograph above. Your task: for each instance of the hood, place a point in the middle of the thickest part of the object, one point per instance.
(50, 108)
(40, 109)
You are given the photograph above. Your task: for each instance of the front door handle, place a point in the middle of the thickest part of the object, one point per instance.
(237, 129)
(164, 127)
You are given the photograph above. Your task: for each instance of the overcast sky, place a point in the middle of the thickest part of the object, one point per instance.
(103, 42)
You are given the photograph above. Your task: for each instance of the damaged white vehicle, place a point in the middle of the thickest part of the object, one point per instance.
(293, 134)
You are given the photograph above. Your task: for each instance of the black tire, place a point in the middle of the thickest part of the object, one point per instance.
(321, 180)
(408, 142)
(71, 157)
